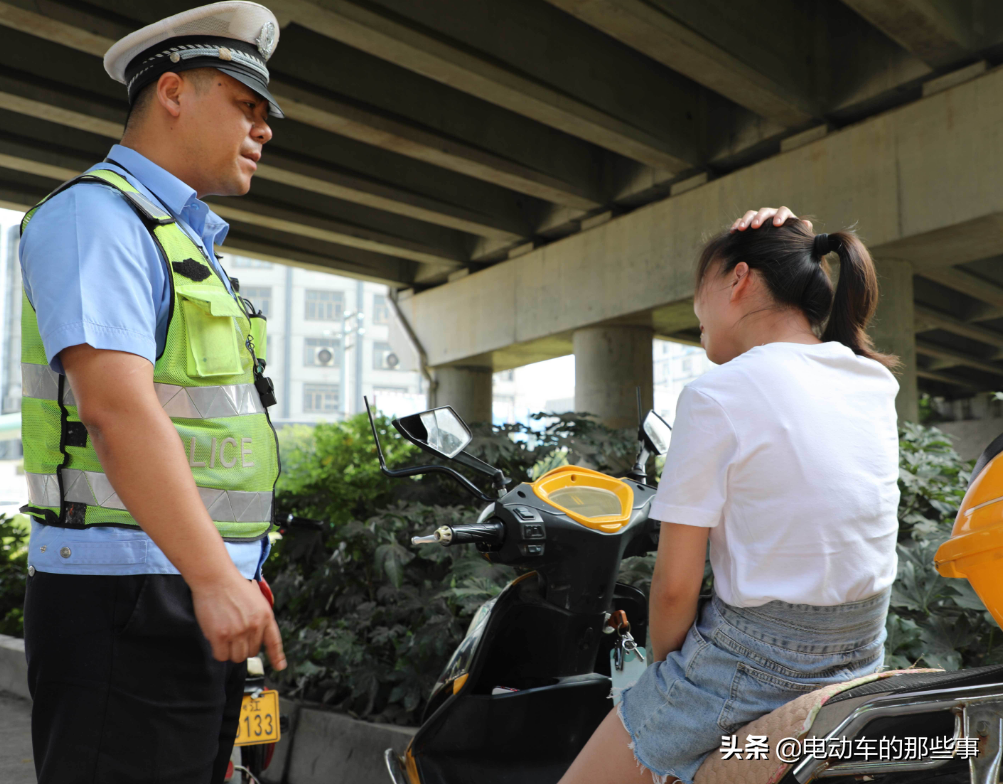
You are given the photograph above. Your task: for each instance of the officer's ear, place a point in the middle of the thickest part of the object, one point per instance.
(169, 88)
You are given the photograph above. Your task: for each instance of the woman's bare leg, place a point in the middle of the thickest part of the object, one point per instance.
(607, 758)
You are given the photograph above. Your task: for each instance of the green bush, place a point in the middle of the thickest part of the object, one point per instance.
(13, 572)
(935, 621)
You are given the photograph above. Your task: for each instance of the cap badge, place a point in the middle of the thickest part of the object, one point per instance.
(266, 39)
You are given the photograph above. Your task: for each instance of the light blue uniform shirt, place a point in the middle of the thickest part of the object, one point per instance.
(94, 275)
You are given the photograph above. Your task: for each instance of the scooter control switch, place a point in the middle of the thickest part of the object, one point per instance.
(533, 531)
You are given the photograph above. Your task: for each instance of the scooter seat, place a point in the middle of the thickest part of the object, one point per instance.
(925, 681)
(796, 718)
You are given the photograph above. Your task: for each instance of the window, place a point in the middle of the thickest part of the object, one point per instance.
(687, 365)
(383, 357)
(381, 310)
(322, 352)
(320, 398)
(322, 305)
(247, 263)
(260, 296)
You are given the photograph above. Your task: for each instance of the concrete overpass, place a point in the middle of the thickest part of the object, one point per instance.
(534, 176)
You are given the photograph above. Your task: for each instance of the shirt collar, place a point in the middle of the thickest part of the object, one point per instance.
(177, 196)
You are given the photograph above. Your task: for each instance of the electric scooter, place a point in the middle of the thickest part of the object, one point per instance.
(530, 681)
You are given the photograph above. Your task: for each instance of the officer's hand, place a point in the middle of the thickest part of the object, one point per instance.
(236, 619)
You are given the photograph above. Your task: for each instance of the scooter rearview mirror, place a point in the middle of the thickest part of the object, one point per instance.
(439, 431)
(469, 486)
(657, 433)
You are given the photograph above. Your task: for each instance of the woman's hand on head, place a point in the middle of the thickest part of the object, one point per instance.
(756, 219)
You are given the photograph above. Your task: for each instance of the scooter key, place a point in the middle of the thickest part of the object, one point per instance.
(618, 653)
(629, 645)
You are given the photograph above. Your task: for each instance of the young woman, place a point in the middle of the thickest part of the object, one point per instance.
(786, 456)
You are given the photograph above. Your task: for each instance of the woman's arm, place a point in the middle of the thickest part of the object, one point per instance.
(675, 585)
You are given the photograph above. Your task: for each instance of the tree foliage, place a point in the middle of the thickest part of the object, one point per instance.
(13, 571)
(934, 620)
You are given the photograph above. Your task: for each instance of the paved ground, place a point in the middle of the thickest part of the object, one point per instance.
(16, 765)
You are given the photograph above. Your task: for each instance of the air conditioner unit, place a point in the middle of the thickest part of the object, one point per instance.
(323, 356)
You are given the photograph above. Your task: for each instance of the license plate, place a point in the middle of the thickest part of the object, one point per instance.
(259, 719)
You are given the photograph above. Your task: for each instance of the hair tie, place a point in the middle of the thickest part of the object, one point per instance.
(824, 244)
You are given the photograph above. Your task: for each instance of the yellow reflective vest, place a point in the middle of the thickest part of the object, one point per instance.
(208, 379)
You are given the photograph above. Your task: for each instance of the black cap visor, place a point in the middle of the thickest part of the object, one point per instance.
(202, 52)
(255, 84)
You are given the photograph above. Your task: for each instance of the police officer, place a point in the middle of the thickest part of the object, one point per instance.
(150, 459)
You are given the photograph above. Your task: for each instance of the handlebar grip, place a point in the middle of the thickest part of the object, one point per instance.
(488, 532)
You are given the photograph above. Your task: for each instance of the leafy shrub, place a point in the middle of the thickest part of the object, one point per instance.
(934, 620)
(13, 573)
(370, 626)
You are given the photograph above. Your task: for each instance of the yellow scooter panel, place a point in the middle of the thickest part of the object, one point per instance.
(588, 497)
(975, 549)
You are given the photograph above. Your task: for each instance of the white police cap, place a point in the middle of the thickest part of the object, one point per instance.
(235, 37)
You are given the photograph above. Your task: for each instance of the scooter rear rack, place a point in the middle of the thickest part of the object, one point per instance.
(978, 712)
(392, 761)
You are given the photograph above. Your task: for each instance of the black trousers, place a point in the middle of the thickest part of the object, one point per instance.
(124, 685)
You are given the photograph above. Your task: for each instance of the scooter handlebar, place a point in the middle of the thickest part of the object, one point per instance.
(488, 532)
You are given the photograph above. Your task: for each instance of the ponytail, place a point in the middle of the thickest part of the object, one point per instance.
(792, 262)
(855, 300)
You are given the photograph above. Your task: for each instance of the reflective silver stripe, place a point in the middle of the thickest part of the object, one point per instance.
(209, 402)
(94, 489)
(40, 381)
(43, 489)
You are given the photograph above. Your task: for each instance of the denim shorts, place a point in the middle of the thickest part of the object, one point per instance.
(739, 663)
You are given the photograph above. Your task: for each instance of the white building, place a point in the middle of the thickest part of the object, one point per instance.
(331, 341)
(550, 386)
(543, 386)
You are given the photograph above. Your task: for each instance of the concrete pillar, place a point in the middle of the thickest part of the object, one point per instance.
(610, 363)
(466, 389)
(894, 330)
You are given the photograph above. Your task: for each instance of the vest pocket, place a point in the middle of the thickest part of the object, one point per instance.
(213, 347)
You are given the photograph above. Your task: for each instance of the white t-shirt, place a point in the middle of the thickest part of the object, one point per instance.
(789, 454)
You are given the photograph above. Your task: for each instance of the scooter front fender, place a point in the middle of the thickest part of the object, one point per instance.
(518, 700)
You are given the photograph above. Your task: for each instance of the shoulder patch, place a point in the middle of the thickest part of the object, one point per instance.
(147, 208)
(191, 269)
